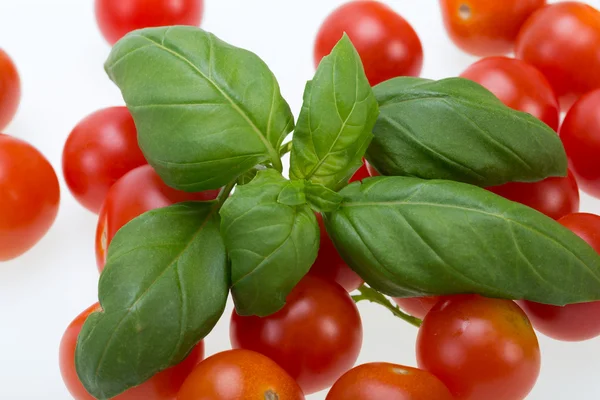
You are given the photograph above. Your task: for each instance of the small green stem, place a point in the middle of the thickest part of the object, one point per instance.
(286, 148)
(372, 295)
(224, 193)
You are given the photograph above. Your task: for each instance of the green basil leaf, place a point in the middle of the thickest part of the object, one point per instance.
(337, 117)
(206, 112)
(292, 194)
(321, 198)
(457, 130)
(409, 237)
(164, 288)
(271, 245)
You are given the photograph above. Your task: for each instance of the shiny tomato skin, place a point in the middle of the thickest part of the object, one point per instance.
(360, 174)
(116, 18)
(417, 306)
(31, 206)
(163, 386)
(573, 322)
(482, 349)
(10, 89)
(386, 42)
(316, 337)
(580, 134)
(329, 264)
(239, 375)
(484, 27)
(555, 197)
(518, 85)
(139, 191)
(101, 149)
(371, 169)
(390, 382)
(562, 41)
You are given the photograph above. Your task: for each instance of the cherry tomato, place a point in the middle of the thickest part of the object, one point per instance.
(371, 169)
(518, 85)
(316, 337)
(417, 306)
(484, 27)
(116, 18)
(163, 386)
(329, 265)
(562, 41)
(360, 174)
(387, 44)
(102, 148)
(574, 322)
(29, 197)
(555, 197)
(390, 382)
(482, 349)
(10, 89)
(137, 192)
(580, 134)
(237, 375)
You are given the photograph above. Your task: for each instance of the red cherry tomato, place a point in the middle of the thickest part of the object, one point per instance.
(360, 174)
(237, 375)
(329, 265)
(137, 192)
(482, 349)
(555, 197)
(484, 27)
(316, 337)
(163, 386)
(417, 306)
(518, 85)
(580, 134)
(387, 44)
(562, 41)
(116, 18)
(10, 89)
(388, 381)
(574, 322)
(371, 169)
(102, 148)
(29, 197)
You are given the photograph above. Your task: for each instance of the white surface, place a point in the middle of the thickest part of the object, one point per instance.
(60, 53)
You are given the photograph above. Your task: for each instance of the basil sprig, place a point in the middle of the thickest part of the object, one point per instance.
(210, 115)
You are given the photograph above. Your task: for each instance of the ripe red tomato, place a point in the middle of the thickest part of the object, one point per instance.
(555, 197)
(137, 192)
(10, 89)
(163, 386)
(562, 41)
(316, 337)
(417, 306)
(518, 85)
(388, 381)
(482, 349)
(29, 197)
(387, 44)
(371, 169)
(329, 265)
(360, 174)
(580, 134)
(102, 148)
(239, 374)
(116, 18)
(574, 322)
(484, 27)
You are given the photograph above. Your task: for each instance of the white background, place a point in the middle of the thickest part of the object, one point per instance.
(60, 53)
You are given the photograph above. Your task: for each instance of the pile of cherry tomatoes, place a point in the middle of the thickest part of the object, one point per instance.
(468, 347)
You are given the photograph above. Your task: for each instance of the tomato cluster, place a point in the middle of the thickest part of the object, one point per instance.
(469, 347)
